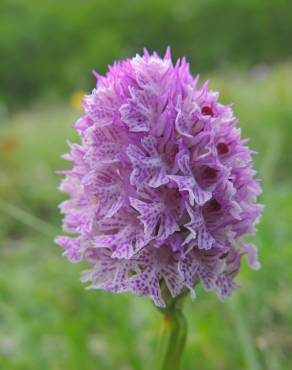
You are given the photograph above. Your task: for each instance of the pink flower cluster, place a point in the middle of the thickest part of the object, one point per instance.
(162, 187)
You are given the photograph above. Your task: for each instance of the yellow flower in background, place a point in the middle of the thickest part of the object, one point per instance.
(8, 145)
(76, 99)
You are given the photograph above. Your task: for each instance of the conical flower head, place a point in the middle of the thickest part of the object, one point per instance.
(162, 188)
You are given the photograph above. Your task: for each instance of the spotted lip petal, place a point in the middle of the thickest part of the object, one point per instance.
(155, 215)
(125, 243)
(187, 182)
(103, 145)
(140, 111)
(162, 189)
(159, 264)
(123, 236)
(198, 229)
(224, 283)
(73, 249)
(108, 273)
(107, 186)
(148, 167)
(101, 106)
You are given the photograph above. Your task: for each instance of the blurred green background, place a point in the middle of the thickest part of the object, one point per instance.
(48, 49)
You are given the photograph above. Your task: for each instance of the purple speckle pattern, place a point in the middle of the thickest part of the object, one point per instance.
(162, 188)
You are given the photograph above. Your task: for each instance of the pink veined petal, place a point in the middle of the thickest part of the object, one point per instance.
(205, 239)
(147, 283)
(198, 229)
(73, 248)
(150, 72)
(103, 145)
(106, 185)
(200, 265)
(252, 255)
(188, 183)
(209, 266)
(124, 243)
(155, 215)
(133, 118)
(147, 165)
(182, 125)
(140, 112)
(173, 279)
(225, 286)
(101, 106)
(159, 264)
(224, 283)
(188, 268)
(108, 273)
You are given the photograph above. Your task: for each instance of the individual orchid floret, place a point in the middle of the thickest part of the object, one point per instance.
(162, 191)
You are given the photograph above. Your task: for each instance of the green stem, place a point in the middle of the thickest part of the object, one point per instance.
(173, 336)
